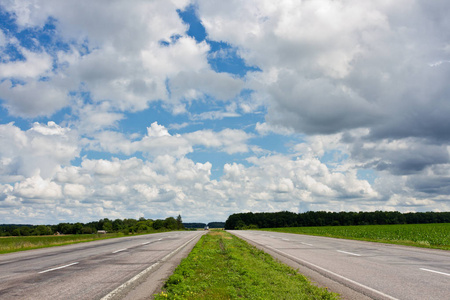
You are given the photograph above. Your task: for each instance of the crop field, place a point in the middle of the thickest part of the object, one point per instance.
(222, 266)
(18, 243)
(421, 235)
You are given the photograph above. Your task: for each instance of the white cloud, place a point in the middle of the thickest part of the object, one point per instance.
(159, 141)
(221, 86)
(75, 190)
(37, 188)
(92, 118)
(170, 185)
(103, 167)
(39, 150)
(156, 130)
(35, 98)
(329, 66)
(3, 39)
(265, 128)
(116, 60)
(34, 65)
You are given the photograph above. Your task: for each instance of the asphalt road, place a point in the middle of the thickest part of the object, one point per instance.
(107, 269)
(361, 269)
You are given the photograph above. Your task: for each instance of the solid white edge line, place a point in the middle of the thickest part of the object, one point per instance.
(345, 252)
(335, 274)
(129, 282)
(433, 271)
(120, 250)
(57, 268)
(145, 243)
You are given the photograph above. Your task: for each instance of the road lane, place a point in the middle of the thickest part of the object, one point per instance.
(380, 271)
(87, 270)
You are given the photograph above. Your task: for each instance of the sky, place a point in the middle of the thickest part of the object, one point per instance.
(205, 108)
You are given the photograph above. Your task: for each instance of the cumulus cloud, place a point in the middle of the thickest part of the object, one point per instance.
(265, 128)
(124, 63)
(330, 67)
(36, 98)
(401, 156)
(34, 65)
(158, 141)
(170, 185)
(41, 150)
(37, 188)
(180, 185)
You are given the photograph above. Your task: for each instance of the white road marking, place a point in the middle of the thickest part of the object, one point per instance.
(120, 250)
(286, 239)
(57, 268)
(306, 244)
(129, 282)
(428, 270)
(334, 274)
(145, 243)
(345, 252)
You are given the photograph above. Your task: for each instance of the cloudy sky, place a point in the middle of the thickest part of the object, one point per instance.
(119, 109)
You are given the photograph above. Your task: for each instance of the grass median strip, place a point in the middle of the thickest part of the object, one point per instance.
(222, 266)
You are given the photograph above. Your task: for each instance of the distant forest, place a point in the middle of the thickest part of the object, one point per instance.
(125, 226)
(202, 225)
(323, 218)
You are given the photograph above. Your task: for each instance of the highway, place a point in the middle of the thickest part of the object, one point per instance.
(122, 268)
(360, 270)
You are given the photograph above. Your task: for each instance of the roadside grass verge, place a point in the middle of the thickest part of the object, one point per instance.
(435, 236)
(21, 243)
(222, 266)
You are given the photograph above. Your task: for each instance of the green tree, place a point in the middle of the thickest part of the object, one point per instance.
(117, 225)
(107, 225)
(158, 224)
(170, 223)
(180, 223)
(42, 230)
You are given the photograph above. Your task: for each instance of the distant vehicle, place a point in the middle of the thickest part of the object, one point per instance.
(206, 227)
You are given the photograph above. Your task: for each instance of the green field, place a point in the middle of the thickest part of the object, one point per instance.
(222, 266)
(20, 243)
(420, 235)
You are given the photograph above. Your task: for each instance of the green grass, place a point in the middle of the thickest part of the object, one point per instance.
(19, 243)
(419, 235)
(222, 266)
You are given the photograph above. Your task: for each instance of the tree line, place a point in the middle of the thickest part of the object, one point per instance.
(203, 225)
(125, 226)
(322, 218)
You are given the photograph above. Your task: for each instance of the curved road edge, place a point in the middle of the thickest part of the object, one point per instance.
(316, 277)
(151, 280)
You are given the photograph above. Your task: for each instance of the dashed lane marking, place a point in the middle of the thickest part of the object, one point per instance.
(349, 253)
(57, 268)
(306, 244)
(120, 250)
(433, 271)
